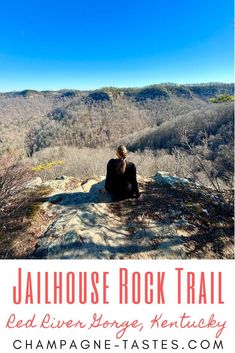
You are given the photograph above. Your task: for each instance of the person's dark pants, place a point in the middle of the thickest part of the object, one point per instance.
(122, 194)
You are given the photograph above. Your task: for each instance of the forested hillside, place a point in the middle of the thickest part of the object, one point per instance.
(31, 120)
(167, 126)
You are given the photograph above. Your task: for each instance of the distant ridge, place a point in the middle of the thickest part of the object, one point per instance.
(27, 91)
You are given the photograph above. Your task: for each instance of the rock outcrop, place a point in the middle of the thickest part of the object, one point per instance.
(176, 220)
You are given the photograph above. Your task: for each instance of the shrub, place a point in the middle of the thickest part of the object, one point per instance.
(14, 176)
(45, 166)
(222, 98)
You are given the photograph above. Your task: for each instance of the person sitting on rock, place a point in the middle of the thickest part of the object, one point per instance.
(121, 180)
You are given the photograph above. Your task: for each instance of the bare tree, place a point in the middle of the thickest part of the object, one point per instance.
(14, 176)
(213, 181)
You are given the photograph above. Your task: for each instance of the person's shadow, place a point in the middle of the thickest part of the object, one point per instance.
(75, 199)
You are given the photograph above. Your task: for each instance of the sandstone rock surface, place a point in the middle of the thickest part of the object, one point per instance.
(176, 220)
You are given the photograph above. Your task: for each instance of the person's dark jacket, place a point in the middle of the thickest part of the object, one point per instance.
(121, 185)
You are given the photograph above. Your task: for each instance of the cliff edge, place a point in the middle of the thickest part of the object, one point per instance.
(178, 219)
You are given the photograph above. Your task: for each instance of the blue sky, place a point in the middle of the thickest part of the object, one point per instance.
(54, 44)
